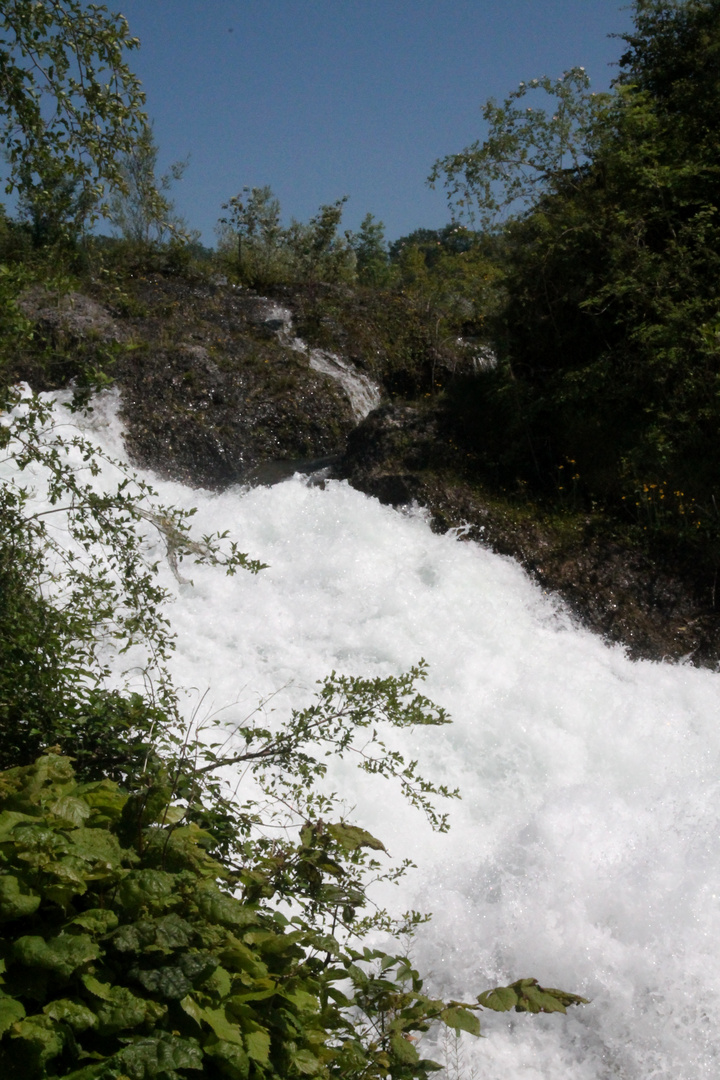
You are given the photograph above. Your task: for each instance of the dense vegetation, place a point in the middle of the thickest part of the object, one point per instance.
(606, 389)
(153, 925)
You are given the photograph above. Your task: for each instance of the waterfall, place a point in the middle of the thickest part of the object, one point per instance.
(586, 848)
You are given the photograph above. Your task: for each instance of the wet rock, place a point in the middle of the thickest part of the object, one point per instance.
(211, 421)
(401, 454)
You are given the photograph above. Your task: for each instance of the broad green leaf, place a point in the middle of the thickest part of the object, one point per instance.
(191, 1007)
(96, 920)
(302, 1000)
(306, 1062)
(73, 1013)
(260, 990)
(238, 957)
(533, 999)
(351, 837)
(461, 1020)
(16, 899)
(62, 955)
(218, 983)
(45, 1038)
(172, 932)
(257, 1044)
(501, 999)
(219, 907)
(403, 1049)
(223, 1028)
(10, 1012)
(168, 983)
(70, 810)
(158, 1055)
(232, 1059)
(153, 889)
(96, 988)
(99, 847)
(8, 820)
(123, 1011)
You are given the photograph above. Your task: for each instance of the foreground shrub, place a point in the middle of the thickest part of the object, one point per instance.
(125, 953)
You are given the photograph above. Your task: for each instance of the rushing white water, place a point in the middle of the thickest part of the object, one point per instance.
(586, 850)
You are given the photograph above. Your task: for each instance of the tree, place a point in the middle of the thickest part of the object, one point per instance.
(126, 953)
(608, 337)
(529, 151)
(142, 211)
(69, 105)
(269, 254)
(371, 252)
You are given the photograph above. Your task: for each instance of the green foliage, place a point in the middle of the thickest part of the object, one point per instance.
(265, 253)
(69, 104)
(73, 595)
(371, 253)
(142, 211)
(608, 334)
(528, 151)
(126, 952)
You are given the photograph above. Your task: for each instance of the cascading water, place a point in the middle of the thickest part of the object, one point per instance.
(586, 849)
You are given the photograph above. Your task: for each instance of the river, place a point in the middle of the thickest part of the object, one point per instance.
(586, 848)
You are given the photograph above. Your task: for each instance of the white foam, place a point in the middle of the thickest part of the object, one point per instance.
(586, 850)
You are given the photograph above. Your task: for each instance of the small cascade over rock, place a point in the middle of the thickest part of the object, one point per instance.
(362, 392)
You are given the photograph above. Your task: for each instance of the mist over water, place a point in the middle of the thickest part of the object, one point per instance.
(586, 848)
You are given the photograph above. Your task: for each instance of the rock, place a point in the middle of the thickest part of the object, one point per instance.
(402, 454)
(73, 314)
(227, 401)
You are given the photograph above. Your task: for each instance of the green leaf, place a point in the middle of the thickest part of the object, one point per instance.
(73, 1013)
(191, 1007)
(306, 1062)
(62, 955)
(70, 810)
(232, 1060)
(501, 999)
(45, 1040)
(461, 1019)
(159, 1055)
(403, 1049)
(218, 983)
(10, 1012)
(526, 995)
(96, 988)
(219, 907)
(257, 1044)
(224, 1029)
(96, 920)
(238, 957)
(8, 820)
(16, 899)
(302, 1000)
(152, 889)
(168, 983)
(123, 1011)
(351, 837)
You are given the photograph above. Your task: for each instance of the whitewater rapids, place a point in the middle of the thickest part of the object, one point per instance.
(586, 849)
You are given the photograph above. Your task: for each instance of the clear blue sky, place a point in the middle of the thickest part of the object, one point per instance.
(324, 98)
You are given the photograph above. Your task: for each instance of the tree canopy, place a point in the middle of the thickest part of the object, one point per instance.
(608, 335)
(70, 106)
